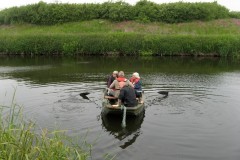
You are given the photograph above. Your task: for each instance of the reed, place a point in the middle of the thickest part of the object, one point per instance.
(101, 37)
(121, 44)
(19, 140)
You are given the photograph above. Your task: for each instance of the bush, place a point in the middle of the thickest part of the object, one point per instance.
(184, 12)
(120, 11)
(234, 15)
(144, 11)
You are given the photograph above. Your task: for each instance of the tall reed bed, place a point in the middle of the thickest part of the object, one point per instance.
(121, 44)
(19, 141)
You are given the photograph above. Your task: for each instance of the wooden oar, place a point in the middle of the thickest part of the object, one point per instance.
(84, 95)
(163, 93)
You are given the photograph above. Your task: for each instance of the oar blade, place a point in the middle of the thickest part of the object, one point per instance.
(84, 95)
(163, 93)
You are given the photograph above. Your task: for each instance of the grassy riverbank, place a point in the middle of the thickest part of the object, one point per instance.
(118, 28)
(19, 140)
(215, 27)
(208, 38)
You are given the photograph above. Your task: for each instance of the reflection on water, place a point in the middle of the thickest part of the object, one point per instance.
(199, 119)
(42, 70)
(128, 134)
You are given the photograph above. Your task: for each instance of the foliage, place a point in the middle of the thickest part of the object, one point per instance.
(19, 140)
(183, 12)
(144, 11)
(120, 11)
(234, 15)
(101, 37)
(121, 43)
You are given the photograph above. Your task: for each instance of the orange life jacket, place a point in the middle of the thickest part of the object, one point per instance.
(121, 81)
(134, 80)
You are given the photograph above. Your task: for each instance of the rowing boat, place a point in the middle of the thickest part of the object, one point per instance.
(108, 107)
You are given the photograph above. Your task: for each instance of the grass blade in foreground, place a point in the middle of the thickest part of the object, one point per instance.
(19, 141)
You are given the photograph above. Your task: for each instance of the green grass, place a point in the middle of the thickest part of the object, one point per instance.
(102, 37)
(216, 27)
(19, 140)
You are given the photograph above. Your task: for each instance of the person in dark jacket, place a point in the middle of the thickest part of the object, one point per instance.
(135, 80)
(112, 78)
(127, 96)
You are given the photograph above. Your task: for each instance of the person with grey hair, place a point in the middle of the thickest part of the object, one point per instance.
(117, 84)
(112, 78)
(135, 80)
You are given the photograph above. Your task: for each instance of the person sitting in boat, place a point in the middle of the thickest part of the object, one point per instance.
(114, 88)
(127, 96)
(111, 78)
(135, 80)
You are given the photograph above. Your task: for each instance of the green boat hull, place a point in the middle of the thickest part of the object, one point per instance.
(107, 109)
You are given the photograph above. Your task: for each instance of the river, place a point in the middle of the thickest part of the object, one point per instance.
(200, 118)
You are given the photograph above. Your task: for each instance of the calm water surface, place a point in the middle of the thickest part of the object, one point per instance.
(199, 120)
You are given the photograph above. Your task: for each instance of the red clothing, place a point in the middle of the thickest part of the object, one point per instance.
(134, 80)
(121, 81)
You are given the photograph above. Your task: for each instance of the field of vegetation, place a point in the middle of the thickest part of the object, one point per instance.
(20, 140)
(147, 28)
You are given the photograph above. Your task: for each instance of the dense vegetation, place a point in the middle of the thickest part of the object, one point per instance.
(214, 38)
(234, 15)
(115, 43)
(146, 11)
(196, 29)
(19, 140)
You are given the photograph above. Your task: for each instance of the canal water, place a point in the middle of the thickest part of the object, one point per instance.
(200, 118)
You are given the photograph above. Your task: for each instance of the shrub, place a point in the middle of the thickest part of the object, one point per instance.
(145, 11)
(234, 15)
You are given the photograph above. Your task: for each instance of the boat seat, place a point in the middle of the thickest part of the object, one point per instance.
(110, 97)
